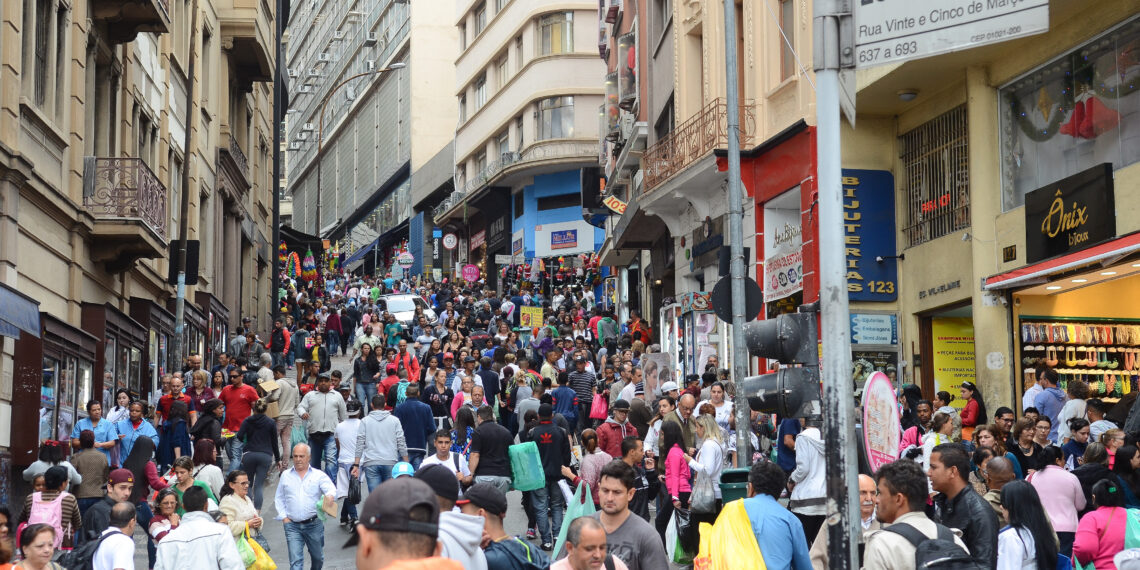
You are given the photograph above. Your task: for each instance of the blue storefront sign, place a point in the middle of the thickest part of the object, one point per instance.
(564, 239)
(869, 234)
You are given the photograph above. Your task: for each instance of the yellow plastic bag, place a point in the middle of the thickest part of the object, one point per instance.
(262, 560)
(730, 539)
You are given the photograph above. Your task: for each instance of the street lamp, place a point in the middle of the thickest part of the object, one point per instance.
(321, 129)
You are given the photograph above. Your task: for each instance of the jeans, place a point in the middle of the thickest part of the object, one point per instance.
(344, 346)
(278, 358)
(376, 474)
(349, 511)
(256, 465)
(143, 514)
(548, 500)
(415, 457)
(584, 420)
(528, 508)
(333, 339)
(85, 504)
(300, 535)
(501, 483)
(328, 458)
(364, 393)
(234, 446)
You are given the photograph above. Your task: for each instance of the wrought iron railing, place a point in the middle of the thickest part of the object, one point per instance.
(126, 188)
(542, 150)
(239, 157)
(693, 139)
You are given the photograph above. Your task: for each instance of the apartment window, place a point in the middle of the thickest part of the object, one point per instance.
(520, 205)
(519, 53)
(480, 162)
(664, 124)
(556, 33)
(557, 118)
(502, 72)
(480, 91)
(175, 195)
(503, 144)
(480, 18)
(662, 15)
(1070, 114)
(205, 60)
(519, 130)
(462, 108)
(936, 177)
(788, 26)
(500, 4)
(562, 201)
(462, 37)
(45, 53)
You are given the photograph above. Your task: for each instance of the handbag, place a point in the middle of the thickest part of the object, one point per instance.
(599, 408)
(261, 559)
(248, 555)
(261, 540)
(702, 501)
(353, 491)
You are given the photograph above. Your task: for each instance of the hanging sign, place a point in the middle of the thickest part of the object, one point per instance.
(450, 241)
(880, 421)
(564, 239)
(405, 259)
(530, 317)
(1071, 214)
(471, 272)
(874, 328)
(477, 240)
(614, 204)
(869, 235)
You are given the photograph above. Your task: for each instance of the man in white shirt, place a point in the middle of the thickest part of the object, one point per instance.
(296, 500)
(116, 549)
(199, 542)
(454, 462)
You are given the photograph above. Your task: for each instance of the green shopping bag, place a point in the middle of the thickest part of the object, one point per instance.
(581, 505)
(297, 435)
(248, 556)
(526, 467)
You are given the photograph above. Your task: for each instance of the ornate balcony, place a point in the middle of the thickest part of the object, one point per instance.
(233, 170)
(129, 206)
(694, 139)
(126, 18)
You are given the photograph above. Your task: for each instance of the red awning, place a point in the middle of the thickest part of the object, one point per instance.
(1030, 273)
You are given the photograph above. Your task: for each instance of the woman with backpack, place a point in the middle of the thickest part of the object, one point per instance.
(37, 544)
(262, 447)
(55, 507)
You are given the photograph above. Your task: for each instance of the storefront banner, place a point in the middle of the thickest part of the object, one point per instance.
(477, 240)
(1071, 214)
(563, 239)
(530, 317)
(658, 369)
(874, 328)
(953, 358)
(867, 362)
(880, 421)
(783, 275)
(518, 241)
(869, 228)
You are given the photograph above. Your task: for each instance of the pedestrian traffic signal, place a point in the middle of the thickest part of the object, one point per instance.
(791, 339)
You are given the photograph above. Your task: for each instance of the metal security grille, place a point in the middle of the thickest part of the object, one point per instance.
(936, 177)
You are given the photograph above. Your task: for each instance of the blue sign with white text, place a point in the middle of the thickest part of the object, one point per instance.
(869, 234)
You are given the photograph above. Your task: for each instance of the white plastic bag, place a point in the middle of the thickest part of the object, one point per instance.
(566, 492)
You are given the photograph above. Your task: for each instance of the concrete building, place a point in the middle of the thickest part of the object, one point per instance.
(526, 86)
(378, 126)
(92, 123)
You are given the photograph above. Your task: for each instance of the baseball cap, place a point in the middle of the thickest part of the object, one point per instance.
(389, 506)
(486, 497)
(441, 480)
(669, 387)
(392, 368)
(402, 469)
(121, 476)
(545, 411)
(447, 355)
(580, 360)
(621, 405)
(470, 359)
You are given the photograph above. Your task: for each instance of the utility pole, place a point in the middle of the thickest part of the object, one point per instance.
(278, 126)
(183, 215)
(740, 368)
(832, 20)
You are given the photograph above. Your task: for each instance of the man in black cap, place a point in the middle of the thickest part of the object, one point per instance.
(554, 450)
(459, 534)
(504, 551)
(398, 527)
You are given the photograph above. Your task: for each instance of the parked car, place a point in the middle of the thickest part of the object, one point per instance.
(403, 306)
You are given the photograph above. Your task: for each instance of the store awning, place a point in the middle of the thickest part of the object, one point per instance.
(18, 312)
(360, 253)
(1030, 274)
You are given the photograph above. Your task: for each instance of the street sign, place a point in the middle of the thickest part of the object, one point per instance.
(501, 259)
(891, 31)
(722, 299)
(405, 259)
(450, 241)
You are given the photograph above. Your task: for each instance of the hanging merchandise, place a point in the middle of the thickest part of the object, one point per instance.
(282, 254)
(293, 265)
(309, 267)
(334, 259)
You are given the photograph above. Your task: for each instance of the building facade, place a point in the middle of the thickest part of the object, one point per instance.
(369, 106)
(526, 86)
(93, 121)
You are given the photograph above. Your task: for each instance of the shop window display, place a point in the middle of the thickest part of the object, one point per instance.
(1072, 113)
(1101, 352)
(49, 392)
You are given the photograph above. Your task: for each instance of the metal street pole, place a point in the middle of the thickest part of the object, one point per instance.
(740, 368)
(183, 215)
(838, 393)
(321, 129)
(278, 120)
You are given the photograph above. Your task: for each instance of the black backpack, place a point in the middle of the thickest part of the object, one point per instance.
(940, 553)
(83, 556)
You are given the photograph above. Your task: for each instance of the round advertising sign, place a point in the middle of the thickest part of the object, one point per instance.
(880, 421)
(471, 272)
(450, 241)
(405, 259)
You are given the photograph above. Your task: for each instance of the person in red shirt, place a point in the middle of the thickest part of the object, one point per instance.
(238, 398)
(163, 406)
(391, 380)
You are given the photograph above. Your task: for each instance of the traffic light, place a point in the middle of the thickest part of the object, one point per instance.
(792, 339)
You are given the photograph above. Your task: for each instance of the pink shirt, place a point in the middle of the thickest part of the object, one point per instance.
(677, 472)
(1061, 495)
(1100, 536)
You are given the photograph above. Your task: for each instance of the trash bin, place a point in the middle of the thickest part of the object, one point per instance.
(734, 484)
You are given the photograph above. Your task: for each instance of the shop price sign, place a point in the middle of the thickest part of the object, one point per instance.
(405, 259)
(880, 421)
(869, 235)
(471, 273)
(891, 31)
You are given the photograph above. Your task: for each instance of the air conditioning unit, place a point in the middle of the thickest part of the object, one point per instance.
(370, 39)
(350, 93)
(340, 34)
(292, 72)
(305, 89)
(302, 136)
(612, 11)
(309, 127)
(314, 73)
(295, 146)
(370, 65)
(326, 56)
(626, 125)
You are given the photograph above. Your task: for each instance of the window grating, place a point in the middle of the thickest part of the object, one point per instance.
(936, 177)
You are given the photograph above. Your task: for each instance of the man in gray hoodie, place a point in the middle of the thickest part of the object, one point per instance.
(379, 444)
(460, 535)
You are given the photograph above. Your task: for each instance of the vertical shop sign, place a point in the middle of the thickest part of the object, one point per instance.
(436, 248)
(880, 421)
(783, 247)
(869, 228)
(953, 358)
(1071, 214)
